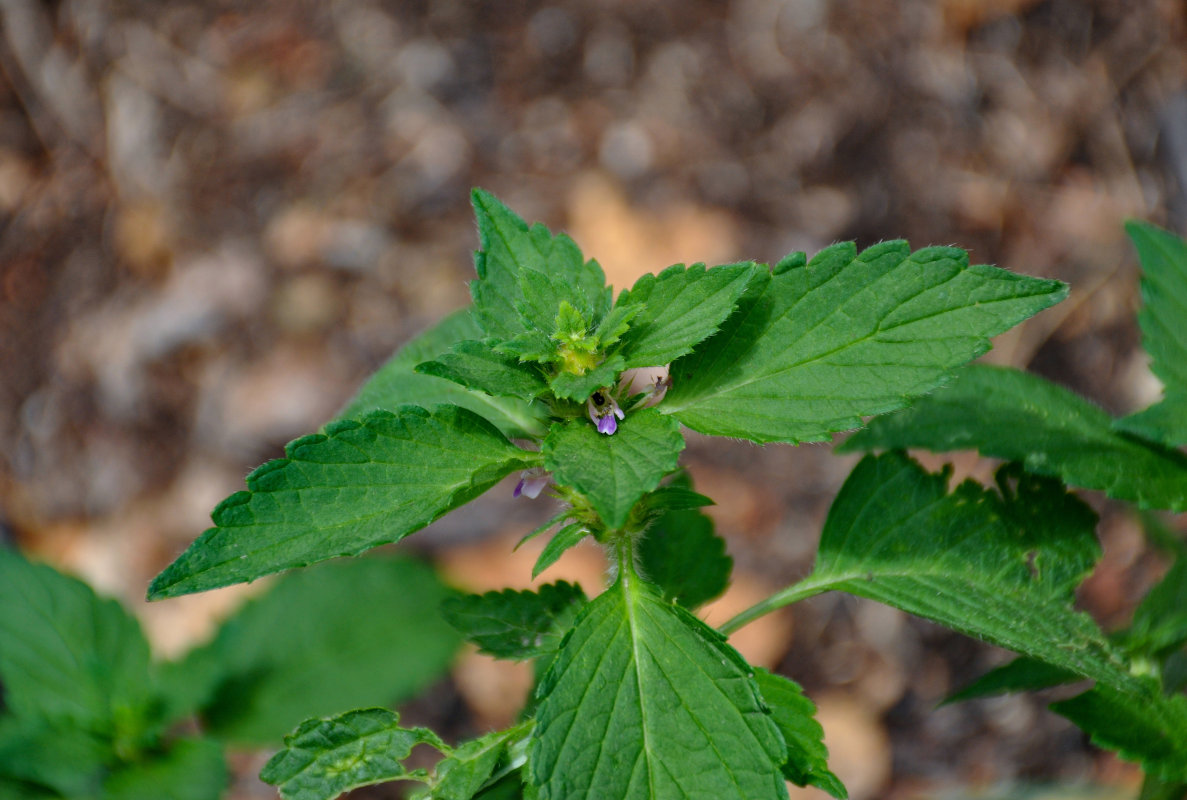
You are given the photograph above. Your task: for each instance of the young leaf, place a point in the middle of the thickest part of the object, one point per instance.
(68, 656)
(679, 308)
(685, 558)
(476, 366)
(1013, 415)
(359, 485)
(614, 471)
(524, 274)
(1164, 290)
(517, 625)
(814, 348)
(1153, 733)
(325, 757)
(1020, 675)
(579, 387)
(192, 769)
(807, 757)
(679, 714)
(467, 770)
(567, 537)
(345, 634)
(1000, 569)
(396, 383)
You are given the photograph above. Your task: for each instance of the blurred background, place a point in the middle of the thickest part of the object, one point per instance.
(217, 218)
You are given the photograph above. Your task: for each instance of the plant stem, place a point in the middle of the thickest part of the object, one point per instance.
(792, 594)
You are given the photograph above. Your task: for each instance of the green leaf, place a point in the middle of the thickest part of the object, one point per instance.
(567, 537)
(579, 387)
(795, 714)
(613, 471)
(346, 634)
(358, 485)
(467, 770)
(68, 656)
(64, 760)
(476, 366)
(814, 348)
(325, 757)
(1013, 415)
(1019, 675)
(681, 553)
(679, 308)
(615, 324)
(1164, 291)
(192, 769)
(524, 273)
(516, 624)
(996, 568)
(1153, 733)
(677, 714)
(396, 383)
(1160, 621)
(1155, 789)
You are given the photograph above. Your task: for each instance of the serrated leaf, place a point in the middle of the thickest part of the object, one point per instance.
(465, 772)
(1153, 732)
(579, 387)
(67, 656)
(1000, 569)
(613, 471)
(679, 308)
(325, 757)
(615, 324)
(524, 273)
(192, 769)
(1163, 257)
(812, 349)
(567, 537)
(516, 624)
(1013, 415)
(346, 634)
(685, 558)
(476, 366)
(396, 383)
(359, 485)
(679, 714)
(806, 761)
(1019, 675)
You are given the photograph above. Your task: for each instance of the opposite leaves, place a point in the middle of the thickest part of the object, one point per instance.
(815, 347)
(359, 485)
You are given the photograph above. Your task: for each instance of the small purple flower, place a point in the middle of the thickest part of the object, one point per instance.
(604, 411)
(531, 483)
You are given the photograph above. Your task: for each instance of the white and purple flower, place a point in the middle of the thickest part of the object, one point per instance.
(604, 411)
(531, 483)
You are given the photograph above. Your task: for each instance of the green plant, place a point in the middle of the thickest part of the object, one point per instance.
(551, 377)
(90, 715)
